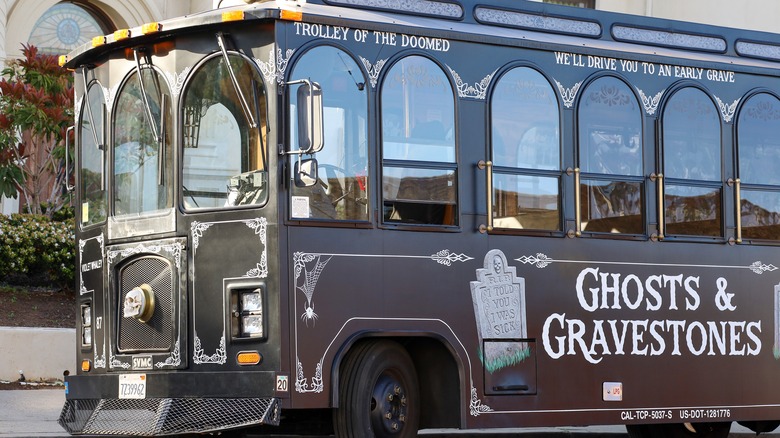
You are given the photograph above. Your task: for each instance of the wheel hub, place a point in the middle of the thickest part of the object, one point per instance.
(389, 406)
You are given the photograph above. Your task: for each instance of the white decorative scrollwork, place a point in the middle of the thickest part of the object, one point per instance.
(759, 268)
(259, 225)
(176, 81)
(445, 257)
(273, 70)
(568, 94)
(540, 260)
(726, 110)
(475, 406)
(476, 91)
(301, 383)
(196, 230)
(650, 103)
(100, 361)
(77, 112)
(174, 249)
(373, 70)
(116, 363)
(173, 360)
(220, 357)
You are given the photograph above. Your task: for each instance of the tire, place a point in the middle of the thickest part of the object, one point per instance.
(678, 430)
(379, 395)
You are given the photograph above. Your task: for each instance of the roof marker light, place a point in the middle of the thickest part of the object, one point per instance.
(63, 60)
(287, 14)
(232, 16)
(152, 27)
(121, 34)
(98, 41)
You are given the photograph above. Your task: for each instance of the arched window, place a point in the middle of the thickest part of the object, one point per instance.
(66, 26)
(92, 166)
(342, 190)
(610, 158)
(758, 142)
(692, 165)
(224, 155)
(143, 156)
(526, 152)
(418, 144)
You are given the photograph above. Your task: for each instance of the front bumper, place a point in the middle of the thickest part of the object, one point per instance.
(165, 416)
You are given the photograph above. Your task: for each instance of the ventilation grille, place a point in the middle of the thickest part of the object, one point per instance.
(157, 333)
(165, 416)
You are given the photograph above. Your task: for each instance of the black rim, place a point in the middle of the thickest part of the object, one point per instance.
(388, 405)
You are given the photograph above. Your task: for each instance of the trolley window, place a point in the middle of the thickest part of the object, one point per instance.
(341, 192)
(92, 157)
(525, 137)
(692, 165)
(758, 136)
(610, 158)
(142, 153)
(418, 144)
(224, 155)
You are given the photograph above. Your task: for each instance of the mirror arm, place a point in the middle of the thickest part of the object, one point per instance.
(232, 74)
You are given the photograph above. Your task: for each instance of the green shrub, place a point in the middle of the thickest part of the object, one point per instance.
(37, 251)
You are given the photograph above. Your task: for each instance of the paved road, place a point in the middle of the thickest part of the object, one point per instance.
(34, 413)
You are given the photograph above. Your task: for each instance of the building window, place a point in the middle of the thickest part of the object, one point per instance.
(66, 26)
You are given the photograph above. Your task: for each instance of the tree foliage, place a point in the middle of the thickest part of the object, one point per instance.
(36, 108)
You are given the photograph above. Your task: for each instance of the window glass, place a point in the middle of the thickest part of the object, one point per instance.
(758, 129)
(692, 165)
(418, 144)
(142, 148)
(525, 136)
(341, 191)
(758, 132)
(224, 156)
(92, 157)
(610, 158)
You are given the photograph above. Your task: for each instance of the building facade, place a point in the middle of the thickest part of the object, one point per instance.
(57, 26)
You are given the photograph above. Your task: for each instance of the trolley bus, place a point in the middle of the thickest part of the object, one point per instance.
(385, 216)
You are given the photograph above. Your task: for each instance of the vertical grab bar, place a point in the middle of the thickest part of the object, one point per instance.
(738, 206)
(577, 203)
(488, 165)
(68, 187)
(659, 180)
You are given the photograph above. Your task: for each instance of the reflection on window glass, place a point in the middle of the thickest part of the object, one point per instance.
(92, 156)
(693, 211)
(417, 112)
(758, 135)
(418, 144)
(691, 128)
(142, 178)
(760, 212)
(758, 129)
(691, 151)
(610, 158)
(525, 134)
(341, 191)
(224, 157)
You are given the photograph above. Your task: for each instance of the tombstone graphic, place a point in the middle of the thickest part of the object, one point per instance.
(499, 308)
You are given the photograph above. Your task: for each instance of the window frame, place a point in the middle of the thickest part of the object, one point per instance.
(263, 129)
(418, 164)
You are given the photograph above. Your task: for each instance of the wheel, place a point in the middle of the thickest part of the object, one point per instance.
(679, 430)
(378, 393)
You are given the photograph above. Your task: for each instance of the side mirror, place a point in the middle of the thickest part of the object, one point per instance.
(305, 172)
(310, 117)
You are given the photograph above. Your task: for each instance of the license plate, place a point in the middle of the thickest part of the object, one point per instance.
(132, 386)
